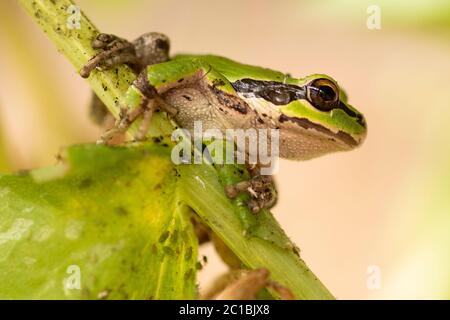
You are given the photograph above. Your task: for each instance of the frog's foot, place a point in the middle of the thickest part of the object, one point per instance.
(114, 51)
(126, 119)
(261, 188)
(150, 48)
(151, 101)
(244, 285)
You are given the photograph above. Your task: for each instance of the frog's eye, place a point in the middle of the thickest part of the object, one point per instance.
(279, 96)
(323, 94)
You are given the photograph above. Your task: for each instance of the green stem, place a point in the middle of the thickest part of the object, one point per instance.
(269, 247)
(199, 188)
(75, 44)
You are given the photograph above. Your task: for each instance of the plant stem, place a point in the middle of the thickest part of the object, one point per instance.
(275, 252)
(75, 44)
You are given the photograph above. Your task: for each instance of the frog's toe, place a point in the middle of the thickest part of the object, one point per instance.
(102, 40)
(264, 199)
(261, 189)
(114, 51)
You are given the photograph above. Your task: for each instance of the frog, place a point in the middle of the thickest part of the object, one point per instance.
(311, 113)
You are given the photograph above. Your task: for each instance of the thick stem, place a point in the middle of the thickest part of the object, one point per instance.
(72, 33)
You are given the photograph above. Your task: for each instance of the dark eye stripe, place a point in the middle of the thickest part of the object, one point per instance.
(262, 89)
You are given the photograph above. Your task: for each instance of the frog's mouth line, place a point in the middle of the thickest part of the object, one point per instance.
(307, 124)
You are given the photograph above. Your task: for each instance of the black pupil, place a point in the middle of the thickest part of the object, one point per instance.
(327, 93)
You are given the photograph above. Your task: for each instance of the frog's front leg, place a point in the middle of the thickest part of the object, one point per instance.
(150, 48)
(114, 51)
(126, 118)
(148, 100)
(261, 188)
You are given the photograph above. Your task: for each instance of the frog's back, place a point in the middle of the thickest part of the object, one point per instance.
(233, 70)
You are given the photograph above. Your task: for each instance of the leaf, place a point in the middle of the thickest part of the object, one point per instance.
(109, 214)
(121, 217)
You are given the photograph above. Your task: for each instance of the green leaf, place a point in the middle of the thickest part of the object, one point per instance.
(110, 213)
(121, 216)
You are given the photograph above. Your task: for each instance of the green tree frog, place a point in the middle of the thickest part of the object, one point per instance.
(311, 113)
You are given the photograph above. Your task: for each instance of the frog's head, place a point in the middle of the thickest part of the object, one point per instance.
(315, 117)
(312, 113)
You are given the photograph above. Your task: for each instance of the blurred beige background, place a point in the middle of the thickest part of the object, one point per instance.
(386, 204)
